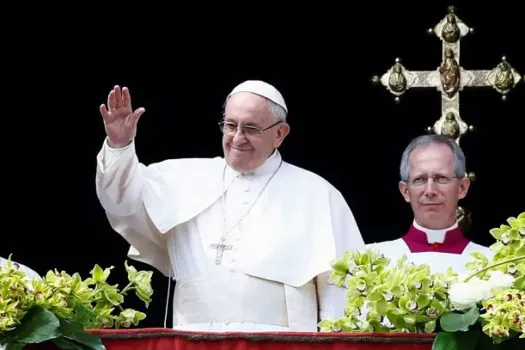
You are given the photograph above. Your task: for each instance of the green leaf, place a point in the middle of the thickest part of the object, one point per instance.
(14, 346)
(519, 283)
(100, 275)
(480, 256)
(66, 344)
(458, 321)
(423, 301)
(430, 326)
(75, 334)
(38, 325)
(456, 341)
(410, 319)
(341, 266)
(113, 296)
(514, 223)
(83, 315)
(325, 325)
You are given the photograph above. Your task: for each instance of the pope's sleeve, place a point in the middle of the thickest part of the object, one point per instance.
(120, 180)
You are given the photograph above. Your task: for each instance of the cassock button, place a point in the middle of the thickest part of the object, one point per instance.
(435, 246)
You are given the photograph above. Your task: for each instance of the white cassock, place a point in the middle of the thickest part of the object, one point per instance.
(30, 273)
(283, 227)
(440, 249)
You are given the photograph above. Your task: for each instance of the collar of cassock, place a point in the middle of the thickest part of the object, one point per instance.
(449, 240)
(268, 167)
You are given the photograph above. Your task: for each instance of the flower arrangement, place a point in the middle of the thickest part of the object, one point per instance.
(60, 307)
(485, 310)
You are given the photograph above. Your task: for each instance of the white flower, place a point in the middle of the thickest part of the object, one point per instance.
(484, 286)
(500, 280)
(464, 295)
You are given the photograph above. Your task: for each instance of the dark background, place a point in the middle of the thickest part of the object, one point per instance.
(181, 65)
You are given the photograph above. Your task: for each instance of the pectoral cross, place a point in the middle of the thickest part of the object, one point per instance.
(220, 247)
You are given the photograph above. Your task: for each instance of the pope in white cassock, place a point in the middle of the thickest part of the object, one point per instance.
(433, 180)
(249, 238)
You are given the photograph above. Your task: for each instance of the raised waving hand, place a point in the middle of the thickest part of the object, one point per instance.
(120, 120)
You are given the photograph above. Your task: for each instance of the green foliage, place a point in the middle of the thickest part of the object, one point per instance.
(485, 310)
(60, 307)
(505, 315)
(456, 321)
(510, 243)
(401, 298)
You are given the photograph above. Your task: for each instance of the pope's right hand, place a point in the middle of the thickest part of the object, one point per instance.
(120, 121)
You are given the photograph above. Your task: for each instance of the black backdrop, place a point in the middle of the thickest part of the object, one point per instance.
(180, 66)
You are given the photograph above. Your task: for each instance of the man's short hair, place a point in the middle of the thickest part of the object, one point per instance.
(459, 156)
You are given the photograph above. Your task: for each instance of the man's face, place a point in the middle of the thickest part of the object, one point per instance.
(432, 189)
(246, 151)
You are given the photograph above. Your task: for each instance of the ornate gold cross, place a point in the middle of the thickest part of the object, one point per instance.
(450, 77)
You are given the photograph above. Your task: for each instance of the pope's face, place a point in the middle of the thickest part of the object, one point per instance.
(246, 150)
(433, 191)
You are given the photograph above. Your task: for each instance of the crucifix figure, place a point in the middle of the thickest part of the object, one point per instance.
(450, 78)
(220, 247)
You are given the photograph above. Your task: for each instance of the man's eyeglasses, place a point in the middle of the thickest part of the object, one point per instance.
(251, 130)
(439, 179)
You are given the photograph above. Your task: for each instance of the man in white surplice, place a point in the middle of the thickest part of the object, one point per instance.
(433, 181)
(249, 238)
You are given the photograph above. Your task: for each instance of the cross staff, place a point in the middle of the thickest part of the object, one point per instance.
(449, 78)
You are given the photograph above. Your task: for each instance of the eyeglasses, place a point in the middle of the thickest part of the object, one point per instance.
(251, 130)
(439, 179)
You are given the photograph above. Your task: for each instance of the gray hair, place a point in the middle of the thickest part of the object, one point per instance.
(277, 110)
(459, 156)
